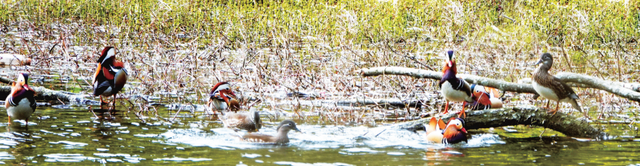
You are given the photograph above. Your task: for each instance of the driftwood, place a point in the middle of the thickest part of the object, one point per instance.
(618, 88)
(526, 115)
(9, 59)
(48, 95)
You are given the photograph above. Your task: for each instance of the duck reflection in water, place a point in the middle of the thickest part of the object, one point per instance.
(435, 154)
(105, 114)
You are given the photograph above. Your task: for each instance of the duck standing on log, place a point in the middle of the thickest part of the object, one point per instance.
(453, 88)
(551, 87)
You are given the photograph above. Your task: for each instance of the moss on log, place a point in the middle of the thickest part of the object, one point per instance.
(526, 115)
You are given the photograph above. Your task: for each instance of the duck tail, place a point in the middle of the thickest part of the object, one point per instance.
(432, 125)
(575, 105)
(441, 124)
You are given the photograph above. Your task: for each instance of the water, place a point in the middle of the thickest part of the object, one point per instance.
(74, 135)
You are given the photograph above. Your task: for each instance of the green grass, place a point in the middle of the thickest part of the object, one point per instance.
(589, 24)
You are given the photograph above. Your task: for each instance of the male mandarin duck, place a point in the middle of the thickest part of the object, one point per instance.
(280, 138)
(483, 99)
(494, 96)
(452, 87)
(21, 103)
(223, 97)
(551, 87)
(110, 76)
(453, 133)
(249, 121)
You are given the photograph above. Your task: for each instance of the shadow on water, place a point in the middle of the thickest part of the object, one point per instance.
(74, 134)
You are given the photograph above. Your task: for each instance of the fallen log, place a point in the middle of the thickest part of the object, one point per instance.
(44, 94)
(522, 115)
(381, 102)
(580, 80)
(9, 59)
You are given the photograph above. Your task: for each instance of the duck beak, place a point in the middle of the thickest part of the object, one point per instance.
(464, 130)
(540, 61)
(232, 94)
(26, 86)
(298, 130)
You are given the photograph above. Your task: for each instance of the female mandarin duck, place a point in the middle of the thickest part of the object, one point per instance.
(483, 99)
(452, 87)
(223, 97)
(453, 133)
(110, 76)
(21, 103)
(551, 87)
(250, 121)
(280, 138)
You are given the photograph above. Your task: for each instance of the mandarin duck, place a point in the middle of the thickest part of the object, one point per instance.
(453, 88)
(110, 76)
(21, 103)
(222, 97)
(483, 99)
(280, 138)
(452, 133)
(550, 87)
(249, 121)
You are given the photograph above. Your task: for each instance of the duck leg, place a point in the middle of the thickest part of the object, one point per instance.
(462, 112)
(114, 101)
(102, 103)
(547, 107)
(555, 110)
(446, 107)
(9, 122)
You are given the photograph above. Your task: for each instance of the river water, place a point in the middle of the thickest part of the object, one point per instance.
(63, 135)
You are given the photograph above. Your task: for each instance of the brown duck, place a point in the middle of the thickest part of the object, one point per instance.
(280, 138)
(551, 87)
(249, 121)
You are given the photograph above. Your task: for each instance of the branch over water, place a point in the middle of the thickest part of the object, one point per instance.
(630, 91)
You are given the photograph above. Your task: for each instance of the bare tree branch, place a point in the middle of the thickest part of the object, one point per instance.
(618, 88)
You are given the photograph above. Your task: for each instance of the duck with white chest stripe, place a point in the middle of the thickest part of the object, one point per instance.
(110, 76)
(223, 98)
(21, 103)
(454, 88)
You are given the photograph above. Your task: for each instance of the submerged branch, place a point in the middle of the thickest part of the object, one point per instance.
(617, 88)
(525, 115)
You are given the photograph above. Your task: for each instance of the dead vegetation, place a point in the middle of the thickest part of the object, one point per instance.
(176, 51)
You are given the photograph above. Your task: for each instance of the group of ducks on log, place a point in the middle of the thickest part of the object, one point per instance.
(477, 97)
(111, 76)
